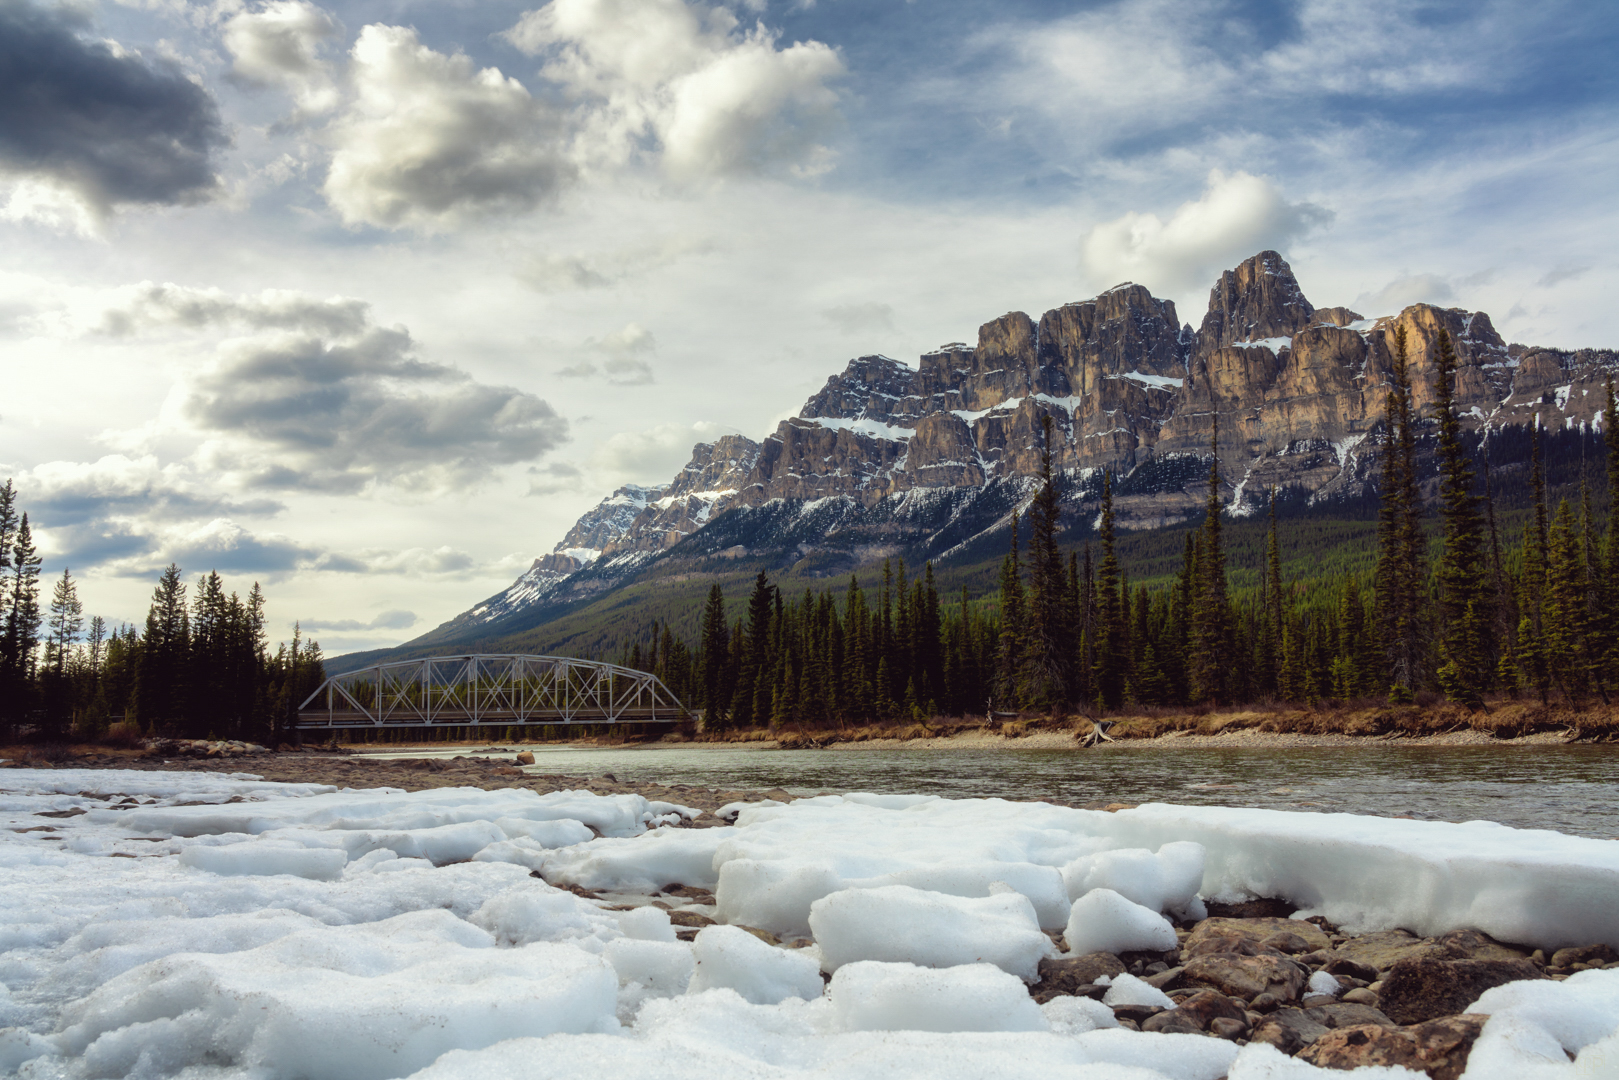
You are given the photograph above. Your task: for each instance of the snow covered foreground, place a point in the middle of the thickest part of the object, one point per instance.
(160, 924)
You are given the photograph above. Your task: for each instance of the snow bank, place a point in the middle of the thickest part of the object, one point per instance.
(319, 864)
(368, 1003)
(1528, 886)
(662, 967)
(1167, 880)
(1534, 1026)
(873, 996)
(1104, 921)
(761, 973)
(900, 924)
(643, 864)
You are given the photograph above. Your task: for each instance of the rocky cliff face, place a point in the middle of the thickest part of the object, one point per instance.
(1294, 391)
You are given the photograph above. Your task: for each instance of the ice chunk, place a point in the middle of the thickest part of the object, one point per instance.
(1104, 921)
(646, 924)
(1167, 880)
(1322, 983)
(1129, 990)
(900, 924)
(1070, 1015)
(1536, 1022)
(774, 896)
(371, 1003)
(263, 858)
(522, 851)
(536, 912)
(561, 832)
(18, 1046)
(874, 996)
(641, 864)
(730, 810)
(1043, 885)
(763, 974)
(663, 967)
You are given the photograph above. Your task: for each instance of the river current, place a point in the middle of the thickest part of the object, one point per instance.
(1572, 789)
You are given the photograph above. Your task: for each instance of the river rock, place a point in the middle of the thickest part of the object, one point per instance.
(1207, 1005)
(1216, 935)
(1347, 1014)
(1475, 945)
(1071, 975)
(1438, 1048)
(1343, 965)
(1587, 954)
(1426, 988)
(1247, 977)
(1172, 1022)
(1289, 1030)
(526, 757)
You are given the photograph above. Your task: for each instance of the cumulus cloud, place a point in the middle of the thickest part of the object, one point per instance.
(1402, 292)
(74, 493)
(300, 411)
(416, 562)
(87, 126)
(620, 357)
(860, 318)
(430, 140)
(149, 306)
(281, 45)
(652, 455)
(711, 98)
(1236, 216)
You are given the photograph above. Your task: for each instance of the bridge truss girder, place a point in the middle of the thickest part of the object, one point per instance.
(478, 690)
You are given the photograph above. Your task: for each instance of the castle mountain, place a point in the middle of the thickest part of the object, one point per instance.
(929, 461)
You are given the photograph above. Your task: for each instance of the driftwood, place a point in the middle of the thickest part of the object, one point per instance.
(1098, 734)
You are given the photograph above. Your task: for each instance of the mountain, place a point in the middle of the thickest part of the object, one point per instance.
(928, 462)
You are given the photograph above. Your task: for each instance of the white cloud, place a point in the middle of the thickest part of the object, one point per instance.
(149, 306)
(618, 356)
(712, 99)
(1402, 292)
(1236, 216)
(430, 140)
(860, 318)
(281, 45)
(652, 455)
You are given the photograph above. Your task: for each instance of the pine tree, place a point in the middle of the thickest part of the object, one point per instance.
(1399, 536)
(1608, 596)
(1270, 649)
(23, 616)
(1112, 657)
(1043, 676)
(715, 646)
(160, 687)
(1010, 654)
(1465, 647)
(65, 623)
(1211, 607)
(1564, 622)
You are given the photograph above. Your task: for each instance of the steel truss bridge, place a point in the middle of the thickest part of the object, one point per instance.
(487, 691)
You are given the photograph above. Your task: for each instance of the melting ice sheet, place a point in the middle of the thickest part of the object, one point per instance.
(160, 924)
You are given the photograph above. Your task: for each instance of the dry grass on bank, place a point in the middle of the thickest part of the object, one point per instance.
(1370, 719)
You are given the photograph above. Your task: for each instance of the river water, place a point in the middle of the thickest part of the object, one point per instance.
(1572, 789)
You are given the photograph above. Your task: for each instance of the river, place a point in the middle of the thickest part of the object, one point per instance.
(1572, 789)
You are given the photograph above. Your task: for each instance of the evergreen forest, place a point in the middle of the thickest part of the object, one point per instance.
(1453, 601)
(197, 669)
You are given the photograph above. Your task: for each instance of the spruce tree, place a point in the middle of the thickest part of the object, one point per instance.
(1112, 657)
(1608, 596)
(1465, 648)
(1009, 663)
(160, 680)
(1211, 607)
(1564, 621)
(1399, 536)
(65, 623)
(1043, 677)
(715, 647)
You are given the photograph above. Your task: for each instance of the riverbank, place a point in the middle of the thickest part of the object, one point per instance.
(1501, 723)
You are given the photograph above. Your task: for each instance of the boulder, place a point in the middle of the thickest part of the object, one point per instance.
(1172, 1022)
(1072, 975)
(1426, 988)
(1289, 1030)
(1384, 949)
(1438, 1048)
(526, 757)
(1217, 935)
(1208, 1005)
(1247, 977)
(1347, 1014)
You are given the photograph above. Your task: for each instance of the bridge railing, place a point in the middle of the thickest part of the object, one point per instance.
(487, 689)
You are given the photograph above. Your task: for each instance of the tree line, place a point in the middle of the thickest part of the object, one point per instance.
(1452, 607)
(197, 669)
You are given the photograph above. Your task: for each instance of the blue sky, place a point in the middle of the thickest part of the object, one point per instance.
(369, 301)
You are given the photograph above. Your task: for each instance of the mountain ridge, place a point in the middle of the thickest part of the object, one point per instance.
(886, 458)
